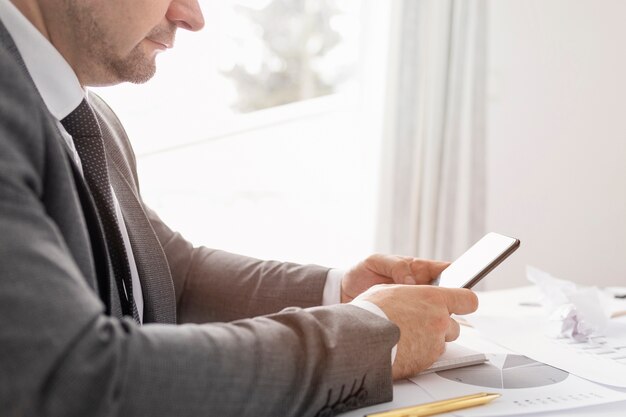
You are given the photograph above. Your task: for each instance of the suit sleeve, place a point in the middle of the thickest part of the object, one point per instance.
(214, 285)
(60, 355)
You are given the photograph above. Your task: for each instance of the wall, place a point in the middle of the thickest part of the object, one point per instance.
(557, 138)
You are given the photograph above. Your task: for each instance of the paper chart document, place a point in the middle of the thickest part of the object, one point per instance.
(526, 386)
(601, 359)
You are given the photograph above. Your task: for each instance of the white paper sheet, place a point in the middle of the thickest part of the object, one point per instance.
(455, 356)
(526, 386)
(601, 359)
(515, 319)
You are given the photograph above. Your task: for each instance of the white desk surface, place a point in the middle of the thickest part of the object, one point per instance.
(406, 393)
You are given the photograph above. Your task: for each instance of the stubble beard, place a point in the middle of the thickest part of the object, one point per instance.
(139, 66)
(136, 67)
(102, 63)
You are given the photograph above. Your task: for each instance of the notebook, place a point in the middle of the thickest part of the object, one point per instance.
(455, 356)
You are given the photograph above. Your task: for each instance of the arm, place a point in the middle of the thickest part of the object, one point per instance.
(60, 355)
(213, 285)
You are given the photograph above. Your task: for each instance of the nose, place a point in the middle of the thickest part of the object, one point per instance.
(186, 14)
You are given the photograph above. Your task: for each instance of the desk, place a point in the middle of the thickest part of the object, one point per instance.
(406, 393)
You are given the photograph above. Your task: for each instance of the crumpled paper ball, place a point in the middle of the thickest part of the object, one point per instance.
(574, 312)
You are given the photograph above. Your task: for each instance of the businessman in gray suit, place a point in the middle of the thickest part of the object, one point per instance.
(105, 311)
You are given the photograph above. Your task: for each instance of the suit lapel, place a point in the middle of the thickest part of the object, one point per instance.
(154, 271)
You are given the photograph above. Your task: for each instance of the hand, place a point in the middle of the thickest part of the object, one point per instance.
(388, 269)
(423, 314)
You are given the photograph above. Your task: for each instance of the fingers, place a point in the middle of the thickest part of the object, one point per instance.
(405, 270)
(460, 300)
(395, 267)
(453, 330)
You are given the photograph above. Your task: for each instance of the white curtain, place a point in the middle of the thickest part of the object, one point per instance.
(432, 193)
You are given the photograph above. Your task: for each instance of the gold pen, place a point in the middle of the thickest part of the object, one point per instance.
(438, 407)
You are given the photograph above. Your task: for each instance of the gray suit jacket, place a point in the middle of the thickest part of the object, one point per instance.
(218, 340)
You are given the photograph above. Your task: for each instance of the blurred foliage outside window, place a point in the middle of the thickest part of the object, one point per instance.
(284, 51)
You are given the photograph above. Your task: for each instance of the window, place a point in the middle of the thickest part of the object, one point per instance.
(246, 146)
(282, 51)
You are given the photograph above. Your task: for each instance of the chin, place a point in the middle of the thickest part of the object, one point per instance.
(142, 77)
(134, 71)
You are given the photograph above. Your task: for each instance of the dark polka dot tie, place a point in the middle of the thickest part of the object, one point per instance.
(83, 126)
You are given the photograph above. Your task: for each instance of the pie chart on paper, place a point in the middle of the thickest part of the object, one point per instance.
(507, 372)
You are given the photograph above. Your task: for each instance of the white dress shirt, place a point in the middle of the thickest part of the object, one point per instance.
(61, 91)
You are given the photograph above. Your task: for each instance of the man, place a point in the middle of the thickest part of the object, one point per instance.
(98, 296)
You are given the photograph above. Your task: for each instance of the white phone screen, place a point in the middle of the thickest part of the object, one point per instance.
(477, 261)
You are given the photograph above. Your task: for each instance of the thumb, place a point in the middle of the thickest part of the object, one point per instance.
(460, 300)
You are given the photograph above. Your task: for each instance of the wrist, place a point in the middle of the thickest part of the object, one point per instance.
(342, 295)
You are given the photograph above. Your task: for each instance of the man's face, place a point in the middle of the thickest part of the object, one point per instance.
(112, 41)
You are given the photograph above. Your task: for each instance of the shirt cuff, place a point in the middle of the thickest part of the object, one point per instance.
(373, 308)
(332, 288)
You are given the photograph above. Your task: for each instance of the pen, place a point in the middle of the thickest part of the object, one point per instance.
(438, 407)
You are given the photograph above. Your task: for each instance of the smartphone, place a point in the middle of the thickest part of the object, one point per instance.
(477, 261)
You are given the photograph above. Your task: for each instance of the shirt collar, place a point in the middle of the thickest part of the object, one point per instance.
(53, 76)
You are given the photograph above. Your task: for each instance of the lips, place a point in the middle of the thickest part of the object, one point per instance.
(163, 35)
(165, 43)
